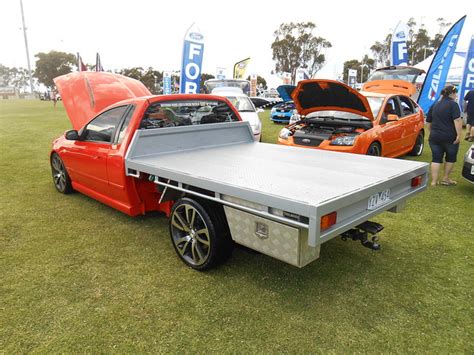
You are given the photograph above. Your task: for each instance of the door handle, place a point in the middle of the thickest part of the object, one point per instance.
(96, 157)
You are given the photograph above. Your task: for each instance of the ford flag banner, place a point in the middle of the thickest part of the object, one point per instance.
(193, 50)
(398, 48)
(467, 82)
(436, 75)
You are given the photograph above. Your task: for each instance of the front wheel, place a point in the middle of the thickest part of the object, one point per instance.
(199, 233)
(61, 179)
(374, 149)
(419, 145)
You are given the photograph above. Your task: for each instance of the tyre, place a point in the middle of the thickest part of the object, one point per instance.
(374, 149)
(419, 145)
(199, 233)
(61, 178)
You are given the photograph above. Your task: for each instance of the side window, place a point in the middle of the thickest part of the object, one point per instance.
(125, 123)
(102, 128)
(390, 108)
(406, 106)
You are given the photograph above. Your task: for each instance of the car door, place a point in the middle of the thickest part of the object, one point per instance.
(88, 155)
(410, 121)
(391, 131)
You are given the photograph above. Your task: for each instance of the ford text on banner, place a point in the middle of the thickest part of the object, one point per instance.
(240, 68)
(467, 82)
(193, 50)
(436, 75)
(398, 48)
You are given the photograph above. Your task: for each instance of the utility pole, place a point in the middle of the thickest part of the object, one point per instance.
(26, 47)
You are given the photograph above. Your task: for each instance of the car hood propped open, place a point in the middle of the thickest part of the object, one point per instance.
(86, 94)
(329, 95)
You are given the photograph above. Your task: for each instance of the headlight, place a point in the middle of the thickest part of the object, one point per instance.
(273, 110)
(295, 117)
(344, 140)
(284, 133)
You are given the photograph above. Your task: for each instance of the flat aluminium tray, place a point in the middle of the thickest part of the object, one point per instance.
(223, 158)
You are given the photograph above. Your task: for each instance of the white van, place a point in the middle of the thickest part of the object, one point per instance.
(244, 105)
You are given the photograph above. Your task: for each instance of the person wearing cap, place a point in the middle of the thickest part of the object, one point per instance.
(445, 125)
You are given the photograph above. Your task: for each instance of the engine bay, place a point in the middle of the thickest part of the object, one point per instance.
(313, 133)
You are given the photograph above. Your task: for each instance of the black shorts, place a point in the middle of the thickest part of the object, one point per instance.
(470, 118)
(440, 150)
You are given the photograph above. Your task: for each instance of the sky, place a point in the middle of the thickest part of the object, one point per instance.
(144, 33)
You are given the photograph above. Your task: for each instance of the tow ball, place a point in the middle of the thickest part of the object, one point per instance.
(362, 232)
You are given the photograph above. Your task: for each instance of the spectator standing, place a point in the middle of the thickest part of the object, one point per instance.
(54, 97)
(445, 125)
(469, 109)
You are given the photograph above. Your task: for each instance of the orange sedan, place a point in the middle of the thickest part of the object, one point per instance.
(334, 116)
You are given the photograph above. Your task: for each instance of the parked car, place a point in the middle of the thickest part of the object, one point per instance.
(281, 113)
(468, 166)
(334, 116)
(244, 105)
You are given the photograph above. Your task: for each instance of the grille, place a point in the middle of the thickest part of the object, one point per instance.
(310, 142)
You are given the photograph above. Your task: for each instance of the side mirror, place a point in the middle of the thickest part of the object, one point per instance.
(392, 118)
(72, 135)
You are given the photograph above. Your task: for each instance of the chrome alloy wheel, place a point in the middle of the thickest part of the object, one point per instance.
(190, 235)
(59, 173)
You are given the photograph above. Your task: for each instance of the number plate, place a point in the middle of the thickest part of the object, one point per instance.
(472, 170)
(378, 199)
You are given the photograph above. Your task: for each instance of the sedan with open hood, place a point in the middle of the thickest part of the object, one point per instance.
(334, 116)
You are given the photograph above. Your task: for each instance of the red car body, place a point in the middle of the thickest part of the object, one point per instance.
(97, 169)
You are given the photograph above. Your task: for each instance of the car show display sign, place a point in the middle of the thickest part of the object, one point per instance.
(166, 83)
(240, 68)
(467, 81)
(193, 50)
(438, 71)
(398, 47)
(253, 85)
(351, 77)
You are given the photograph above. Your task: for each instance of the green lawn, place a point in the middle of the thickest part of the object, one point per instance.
(78, 276)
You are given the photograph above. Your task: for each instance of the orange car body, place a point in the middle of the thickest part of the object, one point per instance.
(337, 117)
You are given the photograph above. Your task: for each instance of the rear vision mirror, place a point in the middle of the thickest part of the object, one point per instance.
(72, 135)
(392, 118)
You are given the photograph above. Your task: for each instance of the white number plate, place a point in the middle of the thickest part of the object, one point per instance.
(378, 199)
(472, 170)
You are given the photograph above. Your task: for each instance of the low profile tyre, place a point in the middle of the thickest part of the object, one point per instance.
(374, 149)
(419, 145)
(199, 233)
(61, 178)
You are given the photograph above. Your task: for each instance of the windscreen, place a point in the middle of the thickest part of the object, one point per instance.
(375, 104)
(186, 113)
(407, 74)
(241, 103)
(242, 84)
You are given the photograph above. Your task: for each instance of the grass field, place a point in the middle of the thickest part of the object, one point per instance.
(78, 276)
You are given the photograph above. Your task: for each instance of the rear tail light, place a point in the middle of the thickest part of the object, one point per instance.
(328, 220)
(416, 181)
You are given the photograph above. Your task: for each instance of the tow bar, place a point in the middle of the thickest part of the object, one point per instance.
(362, 231)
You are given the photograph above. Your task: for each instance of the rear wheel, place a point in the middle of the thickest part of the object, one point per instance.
(199, 233)
(374, 149)
(61, 178)
(419, 145)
